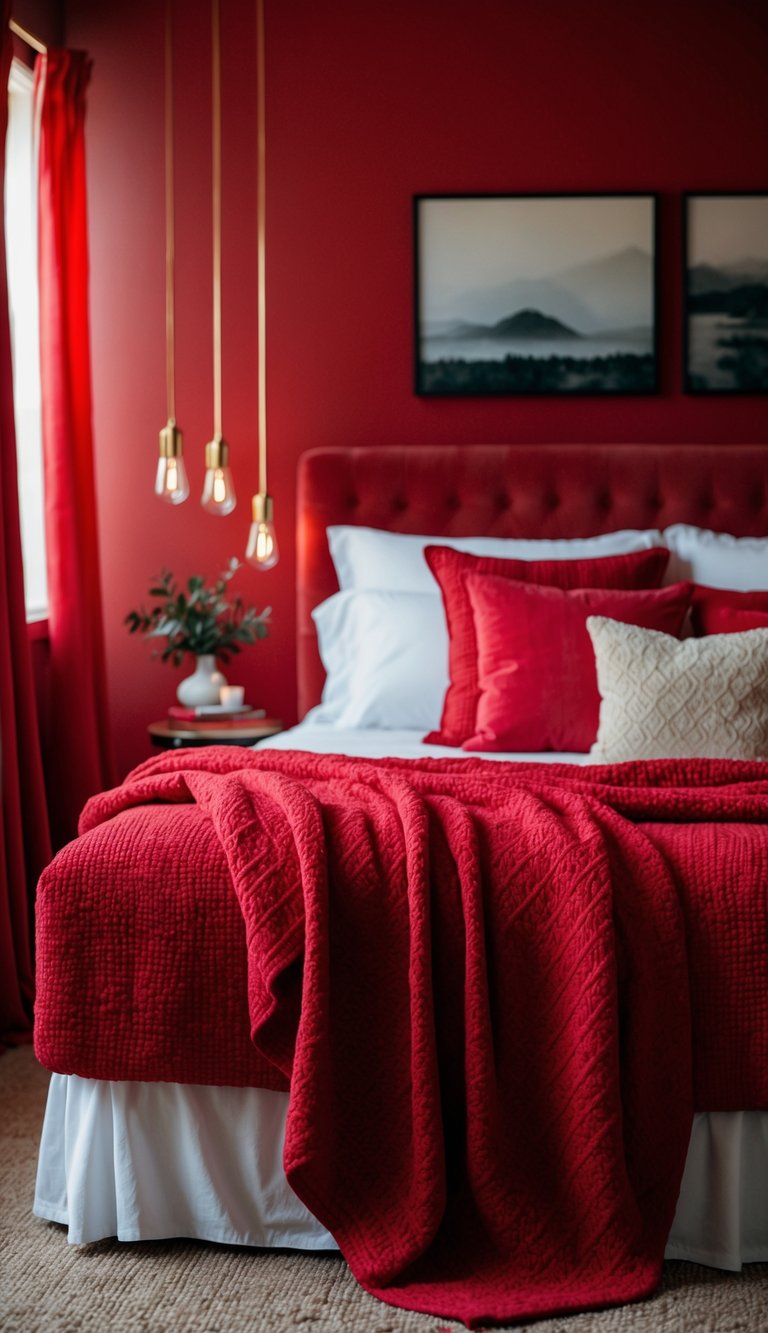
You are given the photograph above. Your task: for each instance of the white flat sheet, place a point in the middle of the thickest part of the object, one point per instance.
(374, 744)
(148, 1161)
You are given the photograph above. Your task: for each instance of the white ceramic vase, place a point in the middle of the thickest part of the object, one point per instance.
(203, 686)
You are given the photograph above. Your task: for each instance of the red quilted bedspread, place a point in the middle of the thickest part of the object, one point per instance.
(486, 983)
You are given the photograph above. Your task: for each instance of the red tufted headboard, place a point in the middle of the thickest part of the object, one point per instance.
(551, 490)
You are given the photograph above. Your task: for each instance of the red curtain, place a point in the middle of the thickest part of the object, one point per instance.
(78, 757)
(24, 844)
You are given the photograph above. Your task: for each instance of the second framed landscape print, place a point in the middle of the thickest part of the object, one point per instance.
(726, 293)
(535, 294)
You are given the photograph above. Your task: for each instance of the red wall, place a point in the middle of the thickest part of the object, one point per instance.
(367, 104)
(43, 18)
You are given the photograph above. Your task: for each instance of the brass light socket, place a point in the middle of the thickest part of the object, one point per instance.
(217, 454)
(171, 441)
(263, 507)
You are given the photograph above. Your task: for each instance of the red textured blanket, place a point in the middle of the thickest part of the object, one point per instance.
(477, 980)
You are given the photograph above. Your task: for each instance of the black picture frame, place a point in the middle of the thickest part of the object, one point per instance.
(486, 264)
(725, 292)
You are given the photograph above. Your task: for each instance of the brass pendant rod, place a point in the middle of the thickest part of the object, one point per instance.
(216, 198)
(28, 37)
(261, 248)
(170, 226)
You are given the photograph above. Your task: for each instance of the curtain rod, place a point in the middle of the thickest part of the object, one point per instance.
(27, 37)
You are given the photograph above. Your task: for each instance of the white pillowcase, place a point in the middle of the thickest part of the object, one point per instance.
(716, 558)
(373, 558)
(386, 655)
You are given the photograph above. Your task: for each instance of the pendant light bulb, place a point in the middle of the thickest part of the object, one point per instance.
(218, 487)
(171, 482)
(262, 551)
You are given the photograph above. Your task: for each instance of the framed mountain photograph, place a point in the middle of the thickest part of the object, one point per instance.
(726, 293)
(535, 294)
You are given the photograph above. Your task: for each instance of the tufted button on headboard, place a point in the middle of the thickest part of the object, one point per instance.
(545, 490)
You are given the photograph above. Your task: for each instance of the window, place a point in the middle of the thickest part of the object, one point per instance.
(23, 300)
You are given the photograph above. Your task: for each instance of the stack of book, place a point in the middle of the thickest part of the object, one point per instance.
(217, 717)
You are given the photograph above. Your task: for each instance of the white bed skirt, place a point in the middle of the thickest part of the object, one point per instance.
(149, 1161)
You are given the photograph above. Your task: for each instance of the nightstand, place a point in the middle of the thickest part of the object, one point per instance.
(171, 738)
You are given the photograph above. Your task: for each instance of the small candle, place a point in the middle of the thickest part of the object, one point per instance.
(232, 696)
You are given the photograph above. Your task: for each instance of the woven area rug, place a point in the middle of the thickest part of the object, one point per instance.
(46, 1284)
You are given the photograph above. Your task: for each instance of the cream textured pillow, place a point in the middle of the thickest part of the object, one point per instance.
(671, 698)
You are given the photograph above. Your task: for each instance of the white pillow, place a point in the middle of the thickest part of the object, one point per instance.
(386, 655)
(716, 558)
(373, 558)
(663, 697)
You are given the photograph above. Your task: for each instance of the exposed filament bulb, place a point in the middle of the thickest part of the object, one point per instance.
(218, 487)
(171, 483)
(262, 550)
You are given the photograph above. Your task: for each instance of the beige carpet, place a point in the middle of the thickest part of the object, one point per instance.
(46, 1284)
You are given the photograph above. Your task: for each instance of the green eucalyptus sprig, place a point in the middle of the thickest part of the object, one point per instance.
(199, 619)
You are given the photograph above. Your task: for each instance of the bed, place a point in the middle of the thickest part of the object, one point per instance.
(144, 1159)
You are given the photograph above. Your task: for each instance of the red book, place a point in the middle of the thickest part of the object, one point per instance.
(184, 720)
(212, 713)
(243, 721)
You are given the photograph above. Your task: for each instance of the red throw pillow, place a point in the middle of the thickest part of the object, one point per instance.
(731, 620)
(638, 569)
(536, 664)
(709, 604)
